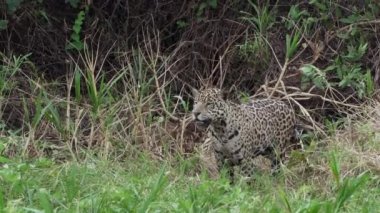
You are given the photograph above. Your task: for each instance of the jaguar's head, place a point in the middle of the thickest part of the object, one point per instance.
(207, 106)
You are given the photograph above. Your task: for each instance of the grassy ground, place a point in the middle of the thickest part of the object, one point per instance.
(340, 175)
(140, 186)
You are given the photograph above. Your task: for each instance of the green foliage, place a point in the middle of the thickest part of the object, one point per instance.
(295, 14)
(157, 188)
(73, 3)
(54, 117)
(44, 201)
(332, 126)
(344, 193)
(41, 109)
(182, 24)
(44, 108)
(300, 20)
(369, 83)
(205, 4)
(8, 68)
(255, 46)
(350, 73)
(346, 187)
(321, 5)
(13, 5)
(138, 75)
(244, 97)
(76, 42)
(77, 85)
(314, 74)
(348, 70)
(292, 43)
(335, 169)
(2, 204)
(99, 90)
(261, 18)
(3, 24)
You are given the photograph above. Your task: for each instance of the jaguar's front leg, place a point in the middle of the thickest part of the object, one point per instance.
(222, 162)
(247, 167)
(220, 159)
(275, 156)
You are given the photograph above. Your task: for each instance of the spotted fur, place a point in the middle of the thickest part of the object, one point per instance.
(241, 132)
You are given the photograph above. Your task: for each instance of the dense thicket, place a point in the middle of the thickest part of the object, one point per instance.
(201, 33)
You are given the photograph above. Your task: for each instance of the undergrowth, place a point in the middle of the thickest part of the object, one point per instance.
(338, 180)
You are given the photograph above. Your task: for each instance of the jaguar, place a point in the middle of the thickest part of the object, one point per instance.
(241, 132)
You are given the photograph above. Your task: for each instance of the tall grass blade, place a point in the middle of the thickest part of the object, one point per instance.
(335, 169)
(2, 202)
(54, 117)
(92, 91)
(111, 83)
(286, 201)
(77, 85)
(45, 202)
(157, 188)
(312, 207)
(348, 188)
(292, 43)
(40, 113)
(71, 183)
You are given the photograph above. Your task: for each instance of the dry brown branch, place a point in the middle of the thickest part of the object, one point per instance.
(279, 81)
(305, 95)
(376, 21)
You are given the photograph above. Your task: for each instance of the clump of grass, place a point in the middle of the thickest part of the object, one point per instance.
(261, 18)
(89, 113)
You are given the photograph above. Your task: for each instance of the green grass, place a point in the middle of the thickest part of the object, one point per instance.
(143, 185)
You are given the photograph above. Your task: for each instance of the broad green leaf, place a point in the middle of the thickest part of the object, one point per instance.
(3, 24)
(213, 3)
(13, 5)
(350, 19)
(73, 3)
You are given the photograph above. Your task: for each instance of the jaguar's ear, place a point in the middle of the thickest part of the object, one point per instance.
(195, 92)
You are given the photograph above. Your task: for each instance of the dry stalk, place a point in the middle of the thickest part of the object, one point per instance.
(376, 21)
(154, 57)
(74, 139)
(283, 70)
(304, 96)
